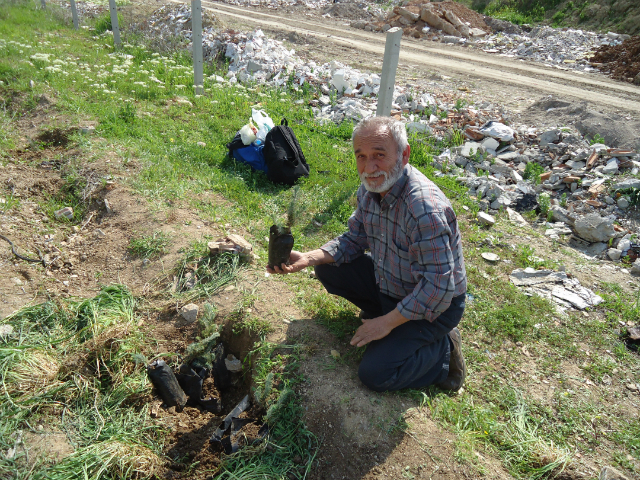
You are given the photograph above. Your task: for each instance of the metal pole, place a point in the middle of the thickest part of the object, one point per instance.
(115, 28)
(389, 67)
(196, 38)
(74, 13)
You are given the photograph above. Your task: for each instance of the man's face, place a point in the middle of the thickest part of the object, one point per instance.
(377, 159)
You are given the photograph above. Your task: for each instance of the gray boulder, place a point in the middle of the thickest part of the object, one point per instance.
(594, 228)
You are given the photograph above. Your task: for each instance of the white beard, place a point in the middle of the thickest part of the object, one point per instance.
(389, 178)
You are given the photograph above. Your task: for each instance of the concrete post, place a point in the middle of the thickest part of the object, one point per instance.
(74, 14)
(43, 3)
(389, 67)
(114, 23)
(196, 38)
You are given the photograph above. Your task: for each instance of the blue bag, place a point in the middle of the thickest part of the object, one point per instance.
(249, 154)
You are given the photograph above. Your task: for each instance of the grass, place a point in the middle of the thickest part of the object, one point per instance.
(149, 246)
(502, 410)
(71, 368)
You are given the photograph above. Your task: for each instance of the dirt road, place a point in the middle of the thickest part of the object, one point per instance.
(487, 72)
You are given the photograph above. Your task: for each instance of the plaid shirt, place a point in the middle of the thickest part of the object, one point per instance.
(415, 245)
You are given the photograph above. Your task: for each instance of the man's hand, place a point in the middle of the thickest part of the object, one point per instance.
(377, 328)
(297, 262)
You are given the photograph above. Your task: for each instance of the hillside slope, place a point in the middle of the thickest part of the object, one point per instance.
(621, 16)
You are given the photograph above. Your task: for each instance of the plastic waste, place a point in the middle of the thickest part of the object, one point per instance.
(263, 122)
(248, 134)
(166, 383)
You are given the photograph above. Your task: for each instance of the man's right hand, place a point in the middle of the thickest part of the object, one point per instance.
(297, 261)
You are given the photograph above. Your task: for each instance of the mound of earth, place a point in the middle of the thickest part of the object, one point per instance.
(348, 11)
(621, 62)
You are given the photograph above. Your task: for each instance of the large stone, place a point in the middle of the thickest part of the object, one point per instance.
(629, 183)
(614, 254)
(470, 149)
(430, 17)
(549, 137)
(403, 12)
(635, 268)
(559, 214)
(485, 219)
(623, 203)
(490, 143)
(611, 168)
(594, 228)
(189, 312)
(516, 218)
(455, 21)
(498, 130)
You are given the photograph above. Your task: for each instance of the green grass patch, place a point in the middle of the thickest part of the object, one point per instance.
(149, 246)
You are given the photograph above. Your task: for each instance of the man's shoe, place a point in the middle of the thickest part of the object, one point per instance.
(457, 367)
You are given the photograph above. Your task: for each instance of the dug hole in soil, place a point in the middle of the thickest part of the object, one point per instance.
(192, 453)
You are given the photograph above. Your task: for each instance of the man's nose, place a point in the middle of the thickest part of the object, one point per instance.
(371, 166)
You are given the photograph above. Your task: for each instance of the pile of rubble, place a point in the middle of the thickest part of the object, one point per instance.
(621, 61)
(449, 21)
(564, 48)
(573, 189)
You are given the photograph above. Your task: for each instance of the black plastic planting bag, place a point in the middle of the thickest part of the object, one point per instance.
(280, 245)
(166, 383)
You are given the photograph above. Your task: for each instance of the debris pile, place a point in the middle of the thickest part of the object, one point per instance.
(559, 287)
(565, 48)
(449, 21)
(621, 61)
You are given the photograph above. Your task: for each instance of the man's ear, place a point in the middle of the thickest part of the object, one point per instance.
(405, 155)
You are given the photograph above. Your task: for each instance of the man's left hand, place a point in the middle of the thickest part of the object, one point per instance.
(377, 328)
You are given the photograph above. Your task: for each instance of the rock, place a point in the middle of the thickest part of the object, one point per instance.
(430, 17)
(498, 130)
(470, 149)
(635, 268)
(403, 12)
(324, 100)
(485, 219)
(611, 168)
(5, 330)
(614, 254)
(490, 257)
(360, 24)
(233, 364)
(594, 228)
(629, 183)
(99, 233)
(636, 81)
(476, 32)
(253, 67)
(551, 136)
(623, 203)
(201, 144)
(335, 354)
(66, 212)
(624, 245)
(189, 312)
(634, 333)
(490, 144)
(455, 21)
(231, 243)
(516, 218)
(515, 176)
(559, 214)
(610, 473)
(596, 248)
(107, 207)
(87, 130)
(508, 156)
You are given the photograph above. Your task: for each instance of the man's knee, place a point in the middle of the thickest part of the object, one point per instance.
(372, 376)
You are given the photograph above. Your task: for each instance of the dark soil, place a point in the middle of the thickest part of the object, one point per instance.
(621, 62)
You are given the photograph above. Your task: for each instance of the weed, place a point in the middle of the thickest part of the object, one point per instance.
(103, 23)
(544, 204)
(533, 171)
(149, 246)
(597, 138)
(526, 257)
(563, 200)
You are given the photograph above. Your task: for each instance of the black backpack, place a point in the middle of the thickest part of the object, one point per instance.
(283, 155)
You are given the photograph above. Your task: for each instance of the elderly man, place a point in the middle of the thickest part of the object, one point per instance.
(411, 286)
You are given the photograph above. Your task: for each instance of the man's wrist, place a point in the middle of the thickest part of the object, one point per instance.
(317, 257)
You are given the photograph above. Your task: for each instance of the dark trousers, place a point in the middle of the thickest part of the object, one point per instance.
(414, 354)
